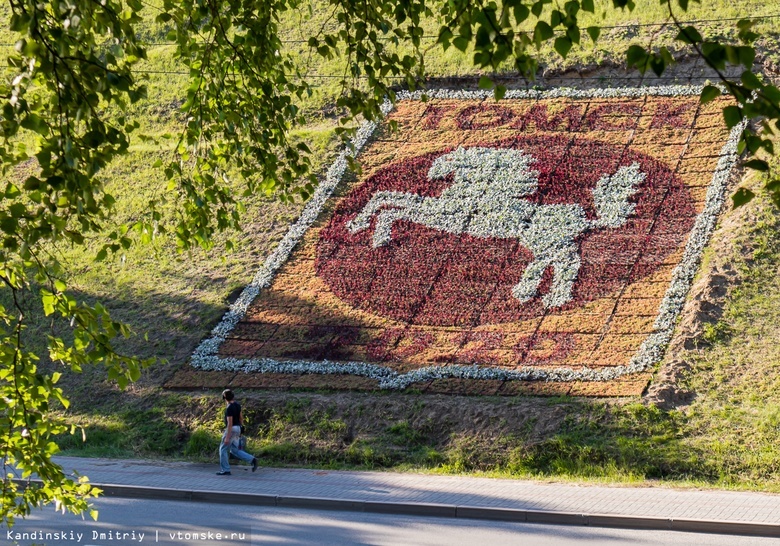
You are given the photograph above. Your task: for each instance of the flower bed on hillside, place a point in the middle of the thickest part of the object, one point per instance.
(489, 247)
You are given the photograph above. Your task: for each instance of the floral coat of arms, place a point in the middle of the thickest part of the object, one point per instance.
(548, 238)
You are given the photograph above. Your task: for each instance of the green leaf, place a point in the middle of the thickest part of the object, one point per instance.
(461, 43)
(572, 7)
(17, 210)
(715, 53)
(542, 32)
(775, 196)
(747, 55)
(445, 35)
(746, 34)
(732, 115)
(750, 80)
(573, 33)
(594, 33)
(658, 62)
(709, 93)
(9, 225)
(741, 197)
(773, 186)
(483, 38)
(636, 56)
(752, 142)
(499, 92)
(732, 54)
(485, 83)
(562, 46)
(49, 302)
(35, 123)
(12, 191)
(772, 93)
(689, 35)
(94, 138)
(587, 5)
(521, 12)
(757, 165)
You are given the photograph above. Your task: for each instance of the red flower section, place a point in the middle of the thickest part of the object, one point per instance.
(477, 116)
(671, 114)
(544, 116)
(430, 277)
(615, 116)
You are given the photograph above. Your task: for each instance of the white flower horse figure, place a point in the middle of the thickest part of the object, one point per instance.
(485, 200)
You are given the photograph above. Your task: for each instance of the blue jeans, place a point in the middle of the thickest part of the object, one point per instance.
(231, 447)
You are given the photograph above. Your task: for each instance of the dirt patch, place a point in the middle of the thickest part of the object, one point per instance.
(705, 303)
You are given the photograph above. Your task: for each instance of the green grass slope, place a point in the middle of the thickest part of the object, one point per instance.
(727, 436)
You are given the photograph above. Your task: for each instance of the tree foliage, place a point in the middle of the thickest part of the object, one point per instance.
(65, 110)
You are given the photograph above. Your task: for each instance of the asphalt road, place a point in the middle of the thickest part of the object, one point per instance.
(136, 521)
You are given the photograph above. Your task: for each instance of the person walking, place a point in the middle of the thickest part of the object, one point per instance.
(232, 434)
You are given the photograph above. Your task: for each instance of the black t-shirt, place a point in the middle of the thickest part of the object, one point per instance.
(234, 410)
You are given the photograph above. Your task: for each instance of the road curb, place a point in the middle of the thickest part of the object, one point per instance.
(720, 527)
(631, 522)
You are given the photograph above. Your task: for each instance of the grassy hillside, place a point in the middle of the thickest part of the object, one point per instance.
(727, 436)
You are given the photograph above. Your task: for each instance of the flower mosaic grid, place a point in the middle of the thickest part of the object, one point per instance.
(489, 246)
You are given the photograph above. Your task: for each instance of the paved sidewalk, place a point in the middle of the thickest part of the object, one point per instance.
(448, 496)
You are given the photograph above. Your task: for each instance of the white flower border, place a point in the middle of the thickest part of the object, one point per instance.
(651, 351)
